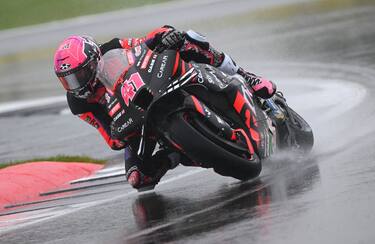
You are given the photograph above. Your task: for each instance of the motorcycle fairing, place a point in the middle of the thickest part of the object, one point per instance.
(153, 76)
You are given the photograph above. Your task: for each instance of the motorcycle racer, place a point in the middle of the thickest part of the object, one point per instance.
(75, 64)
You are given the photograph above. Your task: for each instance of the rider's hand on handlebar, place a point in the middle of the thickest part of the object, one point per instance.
(170, 40)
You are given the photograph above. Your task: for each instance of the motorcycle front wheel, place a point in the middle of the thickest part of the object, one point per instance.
(199, 143)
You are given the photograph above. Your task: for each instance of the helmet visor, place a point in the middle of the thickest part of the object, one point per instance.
(79, 78)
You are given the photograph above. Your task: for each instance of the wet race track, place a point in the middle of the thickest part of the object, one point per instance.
(324, 63)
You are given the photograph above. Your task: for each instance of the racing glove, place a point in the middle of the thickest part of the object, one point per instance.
(173, 39)
(261, 87)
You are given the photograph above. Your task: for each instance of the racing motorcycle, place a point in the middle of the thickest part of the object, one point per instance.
(198, 111)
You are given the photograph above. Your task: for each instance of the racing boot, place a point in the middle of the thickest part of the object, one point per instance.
(137, 179)
(261, 87)
(142, 182)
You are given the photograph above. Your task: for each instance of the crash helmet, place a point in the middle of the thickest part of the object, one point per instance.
(75, 63)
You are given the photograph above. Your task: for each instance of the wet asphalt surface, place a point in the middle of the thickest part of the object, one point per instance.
(324, 63)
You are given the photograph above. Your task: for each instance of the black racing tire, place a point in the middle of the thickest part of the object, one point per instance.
(203, 149)
(302, 131)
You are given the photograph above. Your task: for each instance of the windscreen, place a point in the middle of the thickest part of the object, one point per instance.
(111, 66)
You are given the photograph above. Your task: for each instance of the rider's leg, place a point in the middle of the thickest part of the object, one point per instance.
(147, 172)
(259, 86)
(135, 175)
(198, 49)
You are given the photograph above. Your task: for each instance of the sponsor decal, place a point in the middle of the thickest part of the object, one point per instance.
(112, 103)
(114, 109)
(137, 51)
(162, 67)
(107, 97)
(141, 58)
(130, 56)
(110, 106)
(130, 87)
(64, 66)
(119, 115)
(152, 63)
(92, 122)
(213, 79)
(125, 125)
(147, 58)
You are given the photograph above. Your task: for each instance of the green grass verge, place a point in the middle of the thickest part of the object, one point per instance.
(28, 12)
(58, 158)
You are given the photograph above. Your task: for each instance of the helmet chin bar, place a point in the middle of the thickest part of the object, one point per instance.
(84, 92)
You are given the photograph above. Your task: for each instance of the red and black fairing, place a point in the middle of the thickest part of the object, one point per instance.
(146, 80)
(229, 107)
(157, 84)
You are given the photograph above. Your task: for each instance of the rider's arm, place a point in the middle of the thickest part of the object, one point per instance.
(103, 129)
(151, 39)
(195, 47)
(91, 113)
